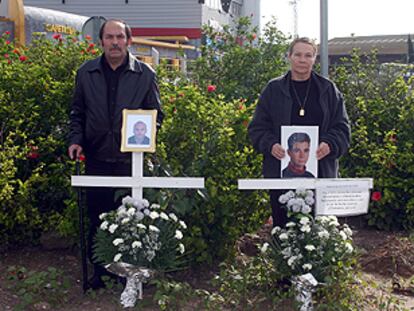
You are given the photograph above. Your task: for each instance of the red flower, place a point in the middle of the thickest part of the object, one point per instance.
(88, 38)
(91, 45)
(241, 107)
(175, 110)
(376, 196)
(16, 51)
(57, 36)
(6, 55)
(181, 94)
(33, 154)
(7, 32)
(82, 158)
(211, 88)
(23, 58)
(254, 36)
(93, 52)
(8, 42)
(393, 138)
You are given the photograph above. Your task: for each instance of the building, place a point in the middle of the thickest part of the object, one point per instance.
(161, 18)
(388, 48)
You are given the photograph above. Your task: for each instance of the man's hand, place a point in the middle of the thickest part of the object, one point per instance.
(323, 150)
(74, 151)
(278, 152)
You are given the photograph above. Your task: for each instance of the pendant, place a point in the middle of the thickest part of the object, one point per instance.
(301, 112)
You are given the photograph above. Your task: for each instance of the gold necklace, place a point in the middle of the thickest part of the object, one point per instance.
(302, 106)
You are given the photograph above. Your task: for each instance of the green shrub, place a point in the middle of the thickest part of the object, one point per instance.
(238, 62)
(35, 90)
(203, 135)
(381, 105)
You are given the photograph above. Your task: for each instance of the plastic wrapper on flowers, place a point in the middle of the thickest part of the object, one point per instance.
(304, 286)
(135, 276)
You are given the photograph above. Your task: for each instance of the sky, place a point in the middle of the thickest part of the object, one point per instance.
(345, 17)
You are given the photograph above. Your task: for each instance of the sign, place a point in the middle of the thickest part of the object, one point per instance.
(342, 197)
(334, 196)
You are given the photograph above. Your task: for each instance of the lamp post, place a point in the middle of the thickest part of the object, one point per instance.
(324, 38)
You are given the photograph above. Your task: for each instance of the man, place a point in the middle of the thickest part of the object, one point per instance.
(300, 97)
(298, 151)
(139, 137)
(104, 87)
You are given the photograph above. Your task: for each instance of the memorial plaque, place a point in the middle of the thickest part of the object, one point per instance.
(342, 197)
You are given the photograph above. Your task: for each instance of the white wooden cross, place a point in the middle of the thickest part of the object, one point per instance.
(334, 196)
(137, 181)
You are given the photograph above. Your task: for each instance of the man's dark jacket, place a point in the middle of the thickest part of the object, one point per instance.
(274, 110)
(92, 126)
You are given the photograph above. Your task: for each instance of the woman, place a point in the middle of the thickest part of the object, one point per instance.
(300, 97)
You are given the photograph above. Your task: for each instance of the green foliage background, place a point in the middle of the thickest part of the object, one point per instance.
(204, 134)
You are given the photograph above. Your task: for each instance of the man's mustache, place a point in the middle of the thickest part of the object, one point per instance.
(115, 47)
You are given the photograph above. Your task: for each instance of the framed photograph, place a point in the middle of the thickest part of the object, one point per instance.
(138, 130)
(300, 143)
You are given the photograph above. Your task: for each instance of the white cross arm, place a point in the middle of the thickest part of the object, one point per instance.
(131, 182)
(295, 183)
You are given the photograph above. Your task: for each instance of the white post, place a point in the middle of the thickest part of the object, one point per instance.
(138, 173)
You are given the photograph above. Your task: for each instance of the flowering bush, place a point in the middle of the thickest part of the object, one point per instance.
(141, 235)
(317, 245)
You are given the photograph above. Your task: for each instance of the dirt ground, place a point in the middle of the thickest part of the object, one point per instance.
(386, 259)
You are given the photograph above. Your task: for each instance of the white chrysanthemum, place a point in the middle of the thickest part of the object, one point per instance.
(307, 266)
(118, 241)
(145, 202)
(291, 261)
(264, 248)
(347, 231)
(295, 208)
(181, 248)
(173, 217)
(323, 234)
(137, 203)
(154, 215)
(306, 209)
(131, 211)
(310, 247)
(127, 200)
(304, 220)
(305, 228)
(178, 234)
(283, 236)
(309, 200)
(275, 230)
(139, 216)
(112, 228)
(343, 235)
(121, 211)
(141, 226)
(136, 244)
(287, 252)
(290, 194)
(164, 216)
(349, 248)
(117, 257)
(102, 216)
(301, 192)
(104, 225)
(309, 193)
(125, 220)
(153, 228)
(182, 224)
(155, 206)
(290, 224)
(146, 212)
(283, 199)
